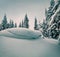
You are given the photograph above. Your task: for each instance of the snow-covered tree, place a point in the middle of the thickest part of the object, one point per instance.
(26, 21)
(48, 14)
(4, 22)
(45, 27)
(52, 3)
(35, 24)
(58, 1)
(51, 24)
(55, 26)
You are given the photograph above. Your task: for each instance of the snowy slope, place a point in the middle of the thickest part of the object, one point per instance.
(10, 46)
(21, 33)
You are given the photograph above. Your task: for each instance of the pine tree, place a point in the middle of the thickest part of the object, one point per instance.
(52, 3)
(11, 24)
(4, 22)
(20, 25)
(46, 13)
(45, 27)
(26, 22)
(55, 26)
(15, 25)
(58, 1)
(35, 24)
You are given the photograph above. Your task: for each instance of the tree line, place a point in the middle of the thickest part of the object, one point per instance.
(24, 24)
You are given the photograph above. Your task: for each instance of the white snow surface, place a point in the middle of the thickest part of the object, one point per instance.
(21, 33)
(13, 47)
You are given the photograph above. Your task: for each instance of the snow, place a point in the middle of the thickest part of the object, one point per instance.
(13, 47)
(54, 15)
(54, 6)
(20, 33)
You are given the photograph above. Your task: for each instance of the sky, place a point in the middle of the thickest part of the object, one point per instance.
(16, 10)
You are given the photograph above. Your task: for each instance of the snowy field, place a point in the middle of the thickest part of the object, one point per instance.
(12, 46)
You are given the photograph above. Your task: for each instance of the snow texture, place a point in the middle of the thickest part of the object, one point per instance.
(20, 33)
(12, 47)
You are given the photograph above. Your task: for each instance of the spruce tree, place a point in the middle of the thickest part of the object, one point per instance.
(12, 24)
(26, 21)
(55, 26)
(35, 24)
(4, 22)
(20, 25)
(52, 3)
(58, 1)
(15, 25)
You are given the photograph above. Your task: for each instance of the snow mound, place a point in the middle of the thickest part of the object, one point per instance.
(21, 33)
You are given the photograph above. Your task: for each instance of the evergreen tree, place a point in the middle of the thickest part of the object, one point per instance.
(4, 22)
(20, 25)
(55, 26)
(46, 13)
(11, 24)
(45, 27)
(51, 25)
(26, 22)
(15, 25)
(58, 1)
(50, 12)
(52, 3)
(35, 24)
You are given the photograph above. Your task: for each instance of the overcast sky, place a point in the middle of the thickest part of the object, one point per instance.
(16, 9)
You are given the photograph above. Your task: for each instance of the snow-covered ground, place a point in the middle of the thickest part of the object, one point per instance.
(12, 47)
(20, 33)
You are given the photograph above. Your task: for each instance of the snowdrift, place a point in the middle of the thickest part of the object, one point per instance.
(20, 33)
